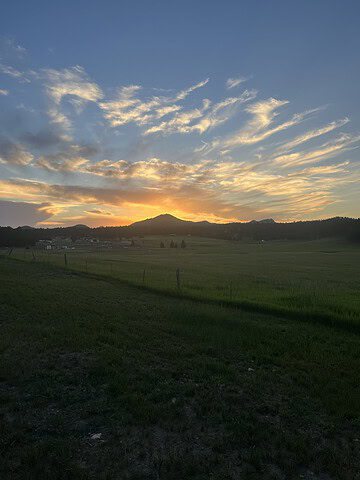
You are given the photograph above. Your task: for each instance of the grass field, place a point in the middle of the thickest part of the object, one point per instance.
(103, 380)
(317, 279)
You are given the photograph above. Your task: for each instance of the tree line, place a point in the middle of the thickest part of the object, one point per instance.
(341, 227)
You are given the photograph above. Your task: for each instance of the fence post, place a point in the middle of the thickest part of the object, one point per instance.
(86, 268)
(230, 291)
(65, 259)
(33, 255)
(178, 278)
(143, 276)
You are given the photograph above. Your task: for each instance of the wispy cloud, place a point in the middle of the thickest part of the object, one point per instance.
(60, 162)
(325, 169)
(151, 169)
(259, 127)
(97, 211)
(262, 116)
(184, 93)
(127, 108)
(59, 119)
(70, 82)
(311, 134)
(325, 151)
(235, 82)
(4, 92)
(202, 119)
(72, 158)
(13, 153)
(14, 73)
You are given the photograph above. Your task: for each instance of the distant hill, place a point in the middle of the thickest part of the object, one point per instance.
(266, 220)
(161, 220)
(81, 226)
(166, 224)
(26, 227)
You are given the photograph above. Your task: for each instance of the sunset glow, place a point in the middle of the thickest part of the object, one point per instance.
(85, 143)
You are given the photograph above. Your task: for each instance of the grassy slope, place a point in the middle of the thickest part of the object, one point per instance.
(177, 389)
(318, 278)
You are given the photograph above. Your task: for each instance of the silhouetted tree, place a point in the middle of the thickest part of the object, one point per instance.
(172, 244)
(162, 245)
(183, 244)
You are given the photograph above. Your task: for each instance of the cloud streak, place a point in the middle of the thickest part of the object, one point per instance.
(325, 151)
(14, 73)
(311, 134)
(234, 82)
(127, 108)
(202, 119)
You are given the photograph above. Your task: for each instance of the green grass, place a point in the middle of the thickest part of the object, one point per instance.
(178, 389)
(317, 279)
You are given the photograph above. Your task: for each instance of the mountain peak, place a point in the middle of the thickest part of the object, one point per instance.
(80, 225)
(165, 216)
(163, 219)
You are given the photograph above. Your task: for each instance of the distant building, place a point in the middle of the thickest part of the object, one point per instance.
(92, 242)
(43, 245)
(86, 241)
(61, 243)
(57, 243)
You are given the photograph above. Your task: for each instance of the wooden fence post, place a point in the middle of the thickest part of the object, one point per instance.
(65, 259)
(143, 276)
(178, 278)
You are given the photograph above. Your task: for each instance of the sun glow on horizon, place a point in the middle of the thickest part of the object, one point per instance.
(79, 146)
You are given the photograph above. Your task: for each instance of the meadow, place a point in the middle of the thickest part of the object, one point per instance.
(318, 280)
(103, 380)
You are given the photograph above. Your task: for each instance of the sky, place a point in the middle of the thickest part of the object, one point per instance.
(116, 111)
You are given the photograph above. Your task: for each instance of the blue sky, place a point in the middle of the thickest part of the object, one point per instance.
(115, 111)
